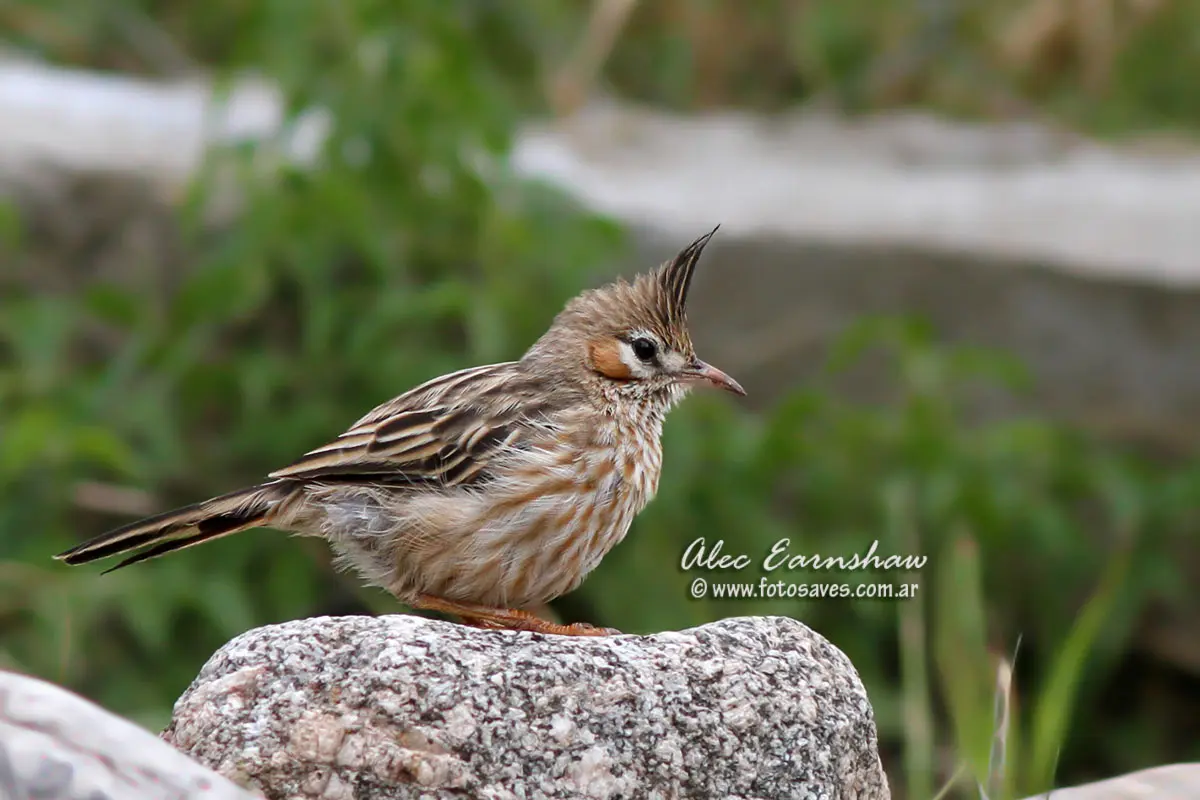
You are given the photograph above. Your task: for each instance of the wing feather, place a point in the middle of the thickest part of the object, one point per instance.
(445, 432)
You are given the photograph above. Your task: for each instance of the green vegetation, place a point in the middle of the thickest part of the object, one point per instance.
(1108, 66)
(414, 252)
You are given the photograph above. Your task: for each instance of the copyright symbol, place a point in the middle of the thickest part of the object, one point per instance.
(699, 588)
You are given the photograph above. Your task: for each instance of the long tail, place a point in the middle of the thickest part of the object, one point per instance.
(185, 527)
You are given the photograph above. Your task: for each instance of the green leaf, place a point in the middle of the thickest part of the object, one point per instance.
(1056, 701)
(967, 676)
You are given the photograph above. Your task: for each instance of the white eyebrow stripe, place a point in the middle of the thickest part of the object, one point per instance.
(642, 333)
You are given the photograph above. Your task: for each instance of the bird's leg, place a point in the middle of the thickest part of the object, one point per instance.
(506, 618)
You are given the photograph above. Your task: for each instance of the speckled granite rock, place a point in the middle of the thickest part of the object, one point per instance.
(55, 745)
(401, 706)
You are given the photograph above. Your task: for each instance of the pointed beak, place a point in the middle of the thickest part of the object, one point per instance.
(699, 371)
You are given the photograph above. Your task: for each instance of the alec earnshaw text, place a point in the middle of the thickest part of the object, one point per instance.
(699, 556)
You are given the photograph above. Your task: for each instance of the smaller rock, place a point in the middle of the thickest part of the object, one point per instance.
(1168, 782)
(55, 744)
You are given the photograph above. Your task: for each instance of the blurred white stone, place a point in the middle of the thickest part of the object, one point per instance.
(1019, 191)
(87, 121)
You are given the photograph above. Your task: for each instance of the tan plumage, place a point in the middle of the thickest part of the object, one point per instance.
(486, 491)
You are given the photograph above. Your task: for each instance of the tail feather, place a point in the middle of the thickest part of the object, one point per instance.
(182, 527)
(171, 545)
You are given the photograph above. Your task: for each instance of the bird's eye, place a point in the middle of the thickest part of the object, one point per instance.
(644, 349)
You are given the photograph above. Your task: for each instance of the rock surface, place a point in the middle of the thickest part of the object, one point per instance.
(55, 744)
(402, 706)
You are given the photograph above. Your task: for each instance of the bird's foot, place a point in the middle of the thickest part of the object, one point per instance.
(508, 618)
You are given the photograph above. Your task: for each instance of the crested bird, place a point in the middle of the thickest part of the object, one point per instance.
(493, 489)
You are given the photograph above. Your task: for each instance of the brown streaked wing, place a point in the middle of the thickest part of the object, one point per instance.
(442, 433)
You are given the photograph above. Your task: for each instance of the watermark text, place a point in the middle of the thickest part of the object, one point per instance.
(702, 556)
(771, 588)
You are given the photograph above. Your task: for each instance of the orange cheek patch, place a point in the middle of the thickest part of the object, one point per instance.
(606, 359)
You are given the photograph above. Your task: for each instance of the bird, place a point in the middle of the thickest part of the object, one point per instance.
(490, 491)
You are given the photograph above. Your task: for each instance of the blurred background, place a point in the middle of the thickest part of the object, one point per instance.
(957, 271)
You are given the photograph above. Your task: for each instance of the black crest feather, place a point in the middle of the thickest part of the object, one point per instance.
(675, 276)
